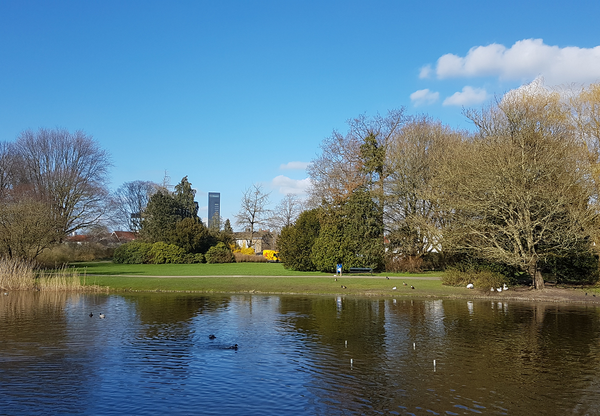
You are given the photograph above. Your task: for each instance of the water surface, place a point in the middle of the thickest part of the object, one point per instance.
(301, 355)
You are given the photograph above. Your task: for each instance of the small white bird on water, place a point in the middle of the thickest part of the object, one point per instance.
(102, 316)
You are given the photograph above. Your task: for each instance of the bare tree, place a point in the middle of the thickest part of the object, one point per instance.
(26, 227)
(131, 199)
(69, 172)
(286, 212)
(519, 192)
(353, 160)
(8, 164)
(413, 217)
(253, 210)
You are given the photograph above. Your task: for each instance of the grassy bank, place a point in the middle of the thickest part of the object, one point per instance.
(272, 278)
(255, 277)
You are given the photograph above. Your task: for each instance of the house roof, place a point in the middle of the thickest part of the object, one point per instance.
(80, 238)
(125, 235)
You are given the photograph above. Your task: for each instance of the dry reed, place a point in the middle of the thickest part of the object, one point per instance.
(18, 274)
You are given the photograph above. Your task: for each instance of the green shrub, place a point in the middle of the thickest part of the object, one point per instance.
(162, 253)
(219, 254)
(134, 252)
(579, 267)
(193, 258)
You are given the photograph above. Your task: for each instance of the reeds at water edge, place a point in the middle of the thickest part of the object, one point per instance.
(19, 274)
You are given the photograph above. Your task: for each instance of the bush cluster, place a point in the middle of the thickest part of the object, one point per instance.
(136, 252)
(219, 254)
(59, 254)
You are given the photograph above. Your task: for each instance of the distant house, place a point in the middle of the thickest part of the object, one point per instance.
(123, 236)
(261, 240)
(77, 239)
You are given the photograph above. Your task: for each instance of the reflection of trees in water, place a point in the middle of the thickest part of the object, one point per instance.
(28, 317)
(519, 356)
(165, 315)
(37, 352)
(527, 351)
(356, 331)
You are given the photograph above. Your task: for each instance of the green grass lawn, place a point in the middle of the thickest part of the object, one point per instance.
(254, 278)
(228, 269)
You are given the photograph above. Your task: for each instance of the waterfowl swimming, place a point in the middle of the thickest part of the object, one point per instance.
(211, 336)
(101, 316)
(91, 314)
(233, 347)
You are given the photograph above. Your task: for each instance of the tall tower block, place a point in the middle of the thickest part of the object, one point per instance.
(214, 209)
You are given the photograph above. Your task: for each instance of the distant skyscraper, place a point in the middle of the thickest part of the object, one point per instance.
(214, 209)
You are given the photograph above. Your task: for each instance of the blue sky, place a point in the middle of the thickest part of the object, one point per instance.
(232, 93)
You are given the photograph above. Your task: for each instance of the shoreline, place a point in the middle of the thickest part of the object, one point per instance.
(518, 294)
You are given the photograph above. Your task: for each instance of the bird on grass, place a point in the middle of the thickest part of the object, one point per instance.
(412, 287)
(336, 279)
(102, 316)
(344, 287)
(387, 278)
(211, 336)
(404, 283)
(394, 288)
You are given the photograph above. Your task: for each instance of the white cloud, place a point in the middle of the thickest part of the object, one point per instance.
(425, 72)
(524, 61)
(287, 185)
(294, 166)
(425, 96)
(468, 96)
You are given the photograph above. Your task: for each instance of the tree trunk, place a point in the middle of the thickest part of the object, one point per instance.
(536, 276)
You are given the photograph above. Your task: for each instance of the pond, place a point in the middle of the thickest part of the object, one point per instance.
(296, 355)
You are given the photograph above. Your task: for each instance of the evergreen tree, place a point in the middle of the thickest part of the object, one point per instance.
(165, 210)
(160, 217)
(184, 196)
(296, 241)
(192, 235)
(351, 234)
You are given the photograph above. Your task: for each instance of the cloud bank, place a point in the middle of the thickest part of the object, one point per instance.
(523, 61)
